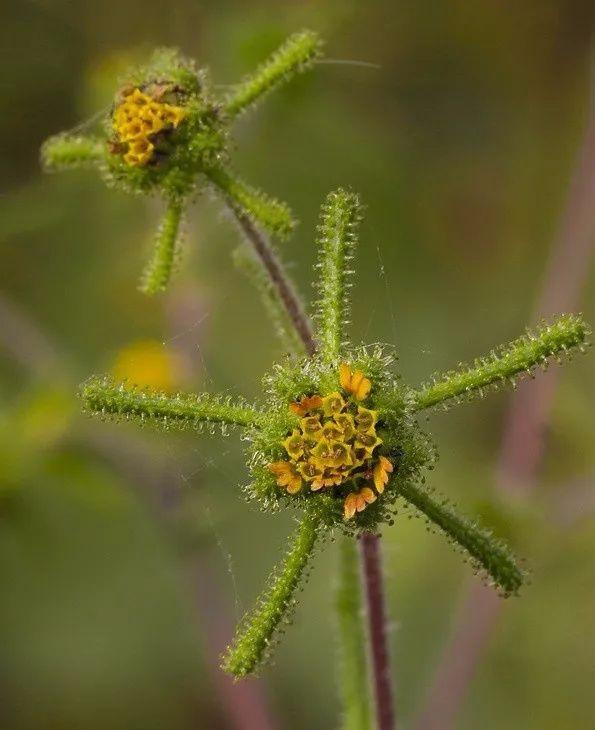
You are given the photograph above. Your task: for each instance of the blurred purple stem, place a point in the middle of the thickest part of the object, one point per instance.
(374, 591)
(523, 441)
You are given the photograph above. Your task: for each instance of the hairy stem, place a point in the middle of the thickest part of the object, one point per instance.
(109, 399)
(251, 265)
(159, 269)
(276, 272)
(486, 552)
(373, 585)
(259, 627)
(351, 645)
(520, 357)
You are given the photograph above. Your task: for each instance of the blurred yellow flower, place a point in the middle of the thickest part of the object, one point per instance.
(148, 363)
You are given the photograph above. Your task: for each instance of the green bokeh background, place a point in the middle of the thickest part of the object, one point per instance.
(126, 557)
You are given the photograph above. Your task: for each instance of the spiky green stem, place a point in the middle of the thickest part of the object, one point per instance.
(353, 672)
(64, 152)
(104, 397)
(486, 551)
(297, 54)
(246, 261)
(520, 357)
(337, 237)
(258, 628)
(159, 269)
(272, 214)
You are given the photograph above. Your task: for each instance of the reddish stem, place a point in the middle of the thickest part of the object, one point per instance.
(285, 289)
(374, 590)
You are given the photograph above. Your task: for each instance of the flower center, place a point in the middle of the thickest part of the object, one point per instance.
(336, 443)
(139, 119)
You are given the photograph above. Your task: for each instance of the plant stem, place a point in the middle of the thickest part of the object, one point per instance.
(369, 547)
(374, 589)
(274, 268)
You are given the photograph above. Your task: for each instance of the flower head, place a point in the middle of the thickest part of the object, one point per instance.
(142, 121)
(336, 447)
(338, 435)
(167, 132)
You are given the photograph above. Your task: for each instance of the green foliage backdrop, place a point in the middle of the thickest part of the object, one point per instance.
(461, 136)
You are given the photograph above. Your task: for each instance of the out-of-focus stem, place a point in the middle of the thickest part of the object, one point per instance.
(523, 439)
(274, 268)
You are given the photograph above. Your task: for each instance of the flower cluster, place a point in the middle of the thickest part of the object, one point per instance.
(142, 121)
(167, 132)
(336, 444)
(338, 436)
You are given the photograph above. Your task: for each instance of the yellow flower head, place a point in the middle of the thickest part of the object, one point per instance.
(335, 443)
(138, 120)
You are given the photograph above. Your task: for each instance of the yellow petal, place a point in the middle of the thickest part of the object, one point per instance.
(356, 379)
(368, 495)
(363, 389)
(278, 467)
(386, 464)
(350, 506)
(294, 485)
(345, 376)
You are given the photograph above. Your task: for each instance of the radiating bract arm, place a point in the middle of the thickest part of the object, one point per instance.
(517, 359)
(272, 214)
(117, 401)
(337, 238)
(487, 552)
(66, 152)
(165, 248)
(296, 55)
(256, 633)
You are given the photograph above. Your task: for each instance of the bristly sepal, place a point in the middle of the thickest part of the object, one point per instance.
(506, 364)
(260, 628)
(116, 401)
(489, 555)
(340, 216)
(295, 55)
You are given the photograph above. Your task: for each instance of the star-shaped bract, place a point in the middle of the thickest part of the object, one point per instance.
(167, 133)
(338, 375)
